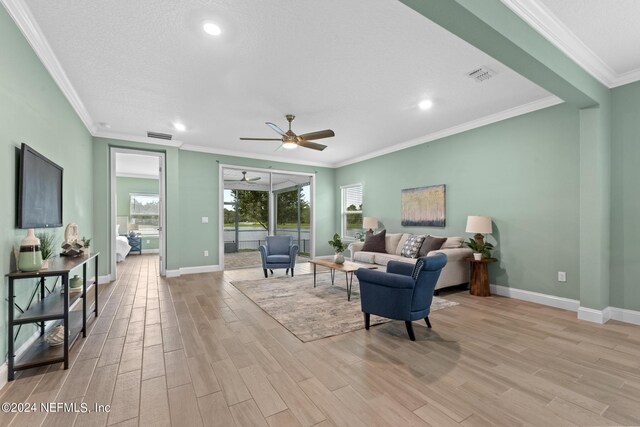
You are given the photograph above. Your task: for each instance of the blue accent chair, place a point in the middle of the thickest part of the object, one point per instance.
(404, 292)
(279, 252)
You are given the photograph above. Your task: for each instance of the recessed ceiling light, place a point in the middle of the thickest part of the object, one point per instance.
(426, 104)
(212, 29)
(179, 127)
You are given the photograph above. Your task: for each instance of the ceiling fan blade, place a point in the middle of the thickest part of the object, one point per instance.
(327, 133)
(275, 128)
(312, 145)
(261, 139)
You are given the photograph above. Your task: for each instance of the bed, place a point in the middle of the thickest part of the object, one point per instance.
(122, 246)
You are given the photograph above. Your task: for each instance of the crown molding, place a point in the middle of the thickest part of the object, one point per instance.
(245, 154)
(541, 19)
(483, 121)
(27, 24)
(136, 138)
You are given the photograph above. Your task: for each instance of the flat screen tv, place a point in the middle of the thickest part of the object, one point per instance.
(39, 191)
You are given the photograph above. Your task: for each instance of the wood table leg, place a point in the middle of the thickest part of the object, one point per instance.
(479, 284)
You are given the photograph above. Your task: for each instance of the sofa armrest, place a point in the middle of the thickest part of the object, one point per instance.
(453, 255)
(398, 267)
(355, 247)
(387, 280)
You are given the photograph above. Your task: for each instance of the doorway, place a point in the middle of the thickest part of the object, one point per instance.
(137, 207)
(257, 203)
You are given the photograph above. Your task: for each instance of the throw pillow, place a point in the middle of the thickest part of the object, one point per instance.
(431, 244)
(412, 246)
(375, 242)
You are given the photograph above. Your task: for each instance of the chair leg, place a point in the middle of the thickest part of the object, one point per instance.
(292, 272)
(426, 319)
(265, 273)
(409, 326)
(286, 272)
(271, 271)
(367, 320)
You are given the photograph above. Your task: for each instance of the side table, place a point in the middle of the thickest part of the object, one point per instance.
(479, 283)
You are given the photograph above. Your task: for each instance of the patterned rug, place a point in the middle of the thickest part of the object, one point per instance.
(311, 314)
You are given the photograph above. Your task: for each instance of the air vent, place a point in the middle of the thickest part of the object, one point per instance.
(481, 74)
(159, 135)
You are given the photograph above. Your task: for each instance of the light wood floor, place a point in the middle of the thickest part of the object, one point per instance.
(195, 351)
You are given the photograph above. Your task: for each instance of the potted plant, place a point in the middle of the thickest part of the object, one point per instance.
(480, 249)
(337, 244)
(87, 242)
(47, 244)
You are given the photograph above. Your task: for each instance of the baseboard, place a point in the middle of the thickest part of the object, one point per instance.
(536, 297)
(4, 368)
(193, 270)
(596, 316)
(151, 251)
(104, 279)
(625, 315)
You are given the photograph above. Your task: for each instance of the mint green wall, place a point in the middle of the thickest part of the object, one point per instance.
(625, 206)
(192, 192)
(126, 186)
(523, 172)
(34, 110)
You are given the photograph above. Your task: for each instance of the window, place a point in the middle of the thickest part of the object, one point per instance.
(351, 210)
(144, 210)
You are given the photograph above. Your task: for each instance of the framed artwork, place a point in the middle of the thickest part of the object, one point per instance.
(424, 206)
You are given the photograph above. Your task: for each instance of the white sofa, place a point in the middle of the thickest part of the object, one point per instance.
(456, 271)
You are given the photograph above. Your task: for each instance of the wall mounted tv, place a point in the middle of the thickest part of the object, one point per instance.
(39, 191)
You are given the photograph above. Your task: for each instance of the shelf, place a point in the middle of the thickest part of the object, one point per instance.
(41, 353)
(50, 308)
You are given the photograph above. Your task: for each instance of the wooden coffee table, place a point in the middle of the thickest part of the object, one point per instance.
(348, 267)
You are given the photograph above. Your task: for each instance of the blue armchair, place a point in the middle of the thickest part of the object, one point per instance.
(404, 292)
(279, 252)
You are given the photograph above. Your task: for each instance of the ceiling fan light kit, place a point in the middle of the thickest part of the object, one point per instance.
(290, 140)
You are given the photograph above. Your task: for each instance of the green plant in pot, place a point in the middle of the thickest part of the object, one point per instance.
(47, 246)
(339, 247)
(481, 249)
(87, 242)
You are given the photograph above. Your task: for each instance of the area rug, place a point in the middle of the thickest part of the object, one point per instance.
(314, 313)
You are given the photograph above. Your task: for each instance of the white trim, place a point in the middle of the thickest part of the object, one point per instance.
(536, 297)
(541, 19)
(596, 316)
(151, 251)
(25, 20)
(248, 154)
(625, 315)
(104, 279)
(136, 175)
(193, 270)
(137, 138)
(483, 121)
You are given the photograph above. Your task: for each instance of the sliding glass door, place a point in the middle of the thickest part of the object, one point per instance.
(292, 204)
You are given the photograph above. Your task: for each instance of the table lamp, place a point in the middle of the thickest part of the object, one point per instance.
(479, 225)
(370, 223)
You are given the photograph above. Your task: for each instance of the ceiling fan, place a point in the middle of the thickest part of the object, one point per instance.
(290, 140)
(244, 179)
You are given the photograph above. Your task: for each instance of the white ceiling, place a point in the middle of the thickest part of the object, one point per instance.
(600, 35)
(358, 67)
(280, 181)
(137, 166)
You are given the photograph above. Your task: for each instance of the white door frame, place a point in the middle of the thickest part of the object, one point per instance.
(221, 168)
(163, 222)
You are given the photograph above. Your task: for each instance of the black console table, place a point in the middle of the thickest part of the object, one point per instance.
(55, 306)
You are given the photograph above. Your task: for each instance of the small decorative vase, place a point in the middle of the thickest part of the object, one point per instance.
(338, 258)
(30, 258)
(45, 265)
(477, 256)
(75, 282)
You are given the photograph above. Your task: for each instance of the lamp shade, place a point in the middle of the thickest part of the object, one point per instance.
(369, 222)
(479, 224)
